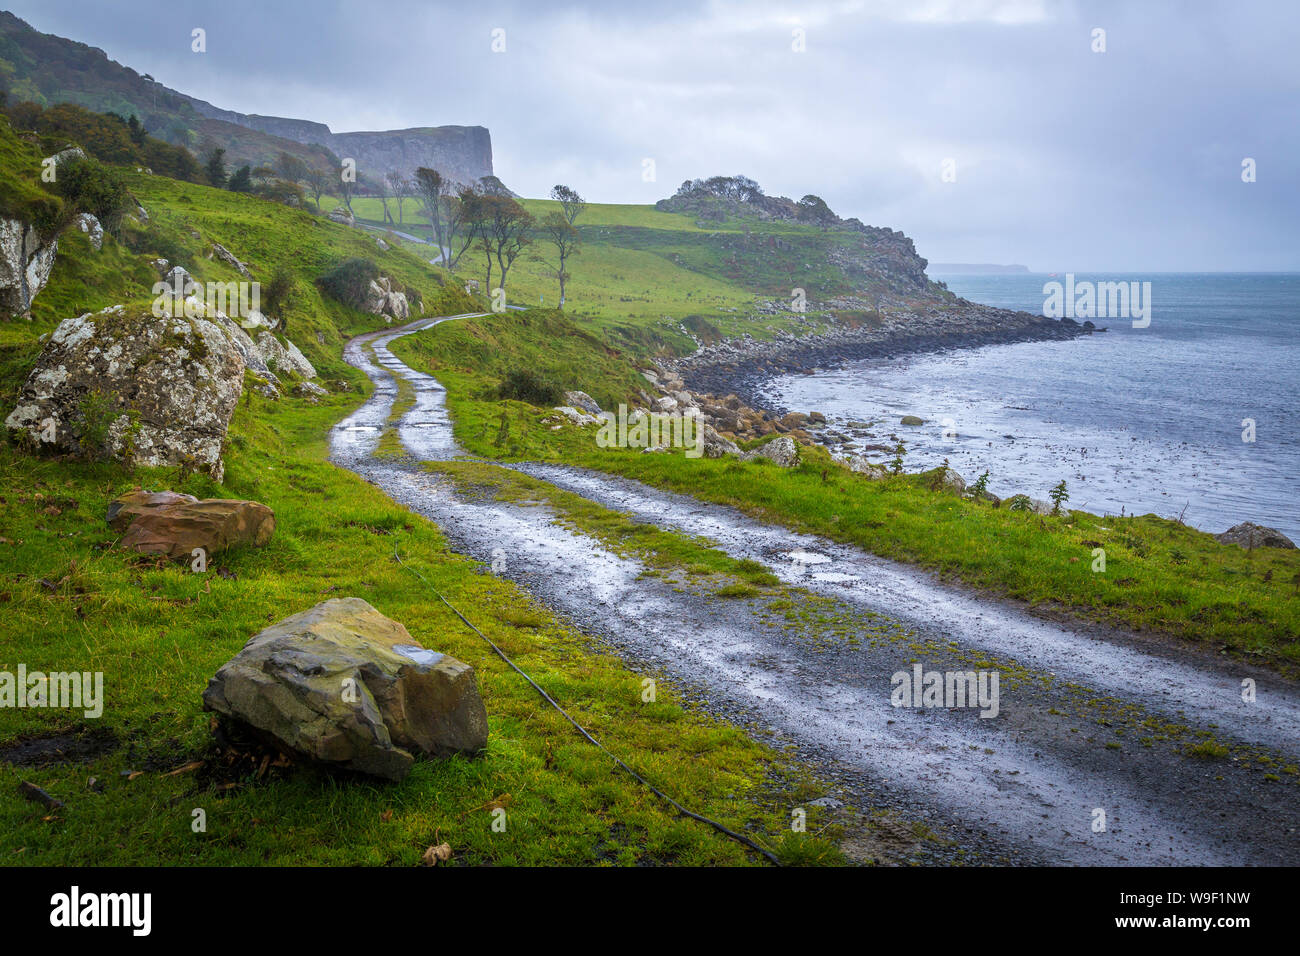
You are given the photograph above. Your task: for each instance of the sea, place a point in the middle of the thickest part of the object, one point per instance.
(1194, 414)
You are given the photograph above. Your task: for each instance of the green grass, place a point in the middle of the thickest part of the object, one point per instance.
(641, 272)
(158, 631)
(1160, 576)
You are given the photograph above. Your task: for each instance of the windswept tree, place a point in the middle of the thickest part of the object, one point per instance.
(346, 190)
(462, 222)
(318, 180)
(814, 209)
(400, 187)
(571, 204)
(241, 181)
(380, 187)
(432, 187)
(500, 228)
(504, 231)
(558, 229)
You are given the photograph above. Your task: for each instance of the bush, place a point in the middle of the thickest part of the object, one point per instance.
(525, 385)
(89, 186)
(275, 293)
(349, 281)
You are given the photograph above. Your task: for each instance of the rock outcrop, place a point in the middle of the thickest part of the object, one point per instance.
(265, 356)
(25, 263)
(1250, 535)
(346, 687)
(382, 299)
(92, 228)
(173, 525)
(155, 391)
(229, 258)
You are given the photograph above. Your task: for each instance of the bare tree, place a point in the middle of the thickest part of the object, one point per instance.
(557, 228)
(504, 226)
(432, 188)
(347, 189)
(401, 189)
(571, 204)
(380, 187)
(462, 221)
(318, 180)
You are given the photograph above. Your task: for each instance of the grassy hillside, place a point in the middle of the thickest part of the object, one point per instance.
(642, 273)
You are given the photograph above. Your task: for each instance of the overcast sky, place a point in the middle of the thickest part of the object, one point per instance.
(1064, 158)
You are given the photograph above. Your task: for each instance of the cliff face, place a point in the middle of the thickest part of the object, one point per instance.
(463, 153)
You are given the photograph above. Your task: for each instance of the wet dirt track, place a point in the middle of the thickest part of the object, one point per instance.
(1024, 786)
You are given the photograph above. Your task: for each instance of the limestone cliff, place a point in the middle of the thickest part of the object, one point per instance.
(463, 153)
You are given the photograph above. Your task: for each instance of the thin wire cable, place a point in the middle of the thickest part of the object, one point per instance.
(740, 838)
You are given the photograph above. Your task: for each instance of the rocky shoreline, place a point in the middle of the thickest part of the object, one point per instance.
(740, 366)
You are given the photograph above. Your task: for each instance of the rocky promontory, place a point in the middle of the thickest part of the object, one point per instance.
(738, 365)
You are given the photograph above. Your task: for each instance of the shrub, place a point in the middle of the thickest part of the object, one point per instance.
(349, 281)
(89, 186)
(526, 385)
(275, 293)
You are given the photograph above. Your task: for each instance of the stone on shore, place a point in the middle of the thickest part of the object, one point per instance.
(782, 451)
(346, 687)
(1250, 535)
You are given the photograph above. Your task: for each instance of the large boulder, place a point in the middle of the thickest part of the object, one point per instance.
(283, 358)
(1251, 535)
(344, 686)
(343, 215)
(158, 391)
(175, 528)
(949, 480)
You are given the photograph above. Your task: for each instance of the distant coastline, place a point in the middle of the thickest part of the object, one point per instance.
(973, 268)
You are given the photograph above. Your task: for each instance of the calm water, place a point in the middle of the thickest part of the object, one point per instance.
(1139, 420)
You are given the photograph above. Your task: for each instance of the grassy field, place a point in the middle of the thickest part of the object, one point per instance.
(157, 631)
(640, 272)
(1160, 575)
